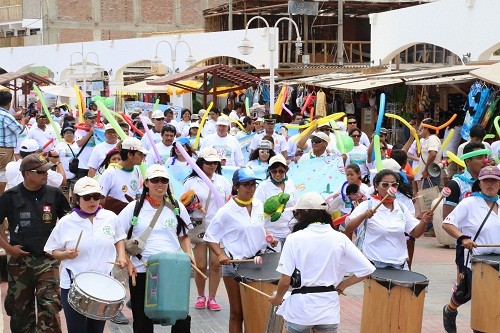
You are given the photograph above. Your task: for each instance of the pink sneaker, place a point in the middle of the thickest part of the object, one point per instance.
(212, 304)
(200, 302)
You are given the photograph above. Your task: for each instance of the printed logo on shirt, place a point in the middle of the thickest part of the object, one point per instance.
(47, 214)
(108, 231)
(220, 189)
(261, 218)
(124, 188)
(170, 223)
(401, 218)
(134, 185)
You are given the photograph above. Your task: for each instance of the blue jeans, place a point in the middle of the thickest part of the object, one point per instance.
(296, 328)
(76, 322)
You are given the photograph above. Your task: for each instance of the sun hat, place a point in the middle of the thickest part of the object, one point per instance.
(156, 170)
(209, 154)
(157, 114)
(310, 200)
(322, 136)
(87, 185)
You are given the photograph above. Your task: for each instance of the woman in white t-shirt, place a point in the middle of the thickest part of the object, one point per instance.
(239, 225)
(101, 241)
(202, 212)
(358, 153)
(260, 157)
(322, 256)
(176, 157)
(169, 234)
(276, 183)
(384, 239)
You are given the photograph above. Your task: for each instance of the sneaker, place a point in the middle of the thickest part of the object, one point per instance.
(449, 320)
(212, 304)
(120, 319)
(200, 302)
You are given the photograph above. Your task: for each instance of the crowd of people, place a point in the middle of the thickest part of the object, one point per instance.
(72, 204)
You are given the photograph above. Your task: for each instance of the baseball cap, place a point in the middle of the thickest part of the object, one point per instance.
(108, 127)
(133, 144)
(322, 136)
(35, 162)
(87, 185)
(209, 154)
(41, 115)
(157, 114)
(383, 130)
(391, 164)
(195, 116)
(29, 146)
(244, 175)
(223, 121)
(278, 158)
(259, 120)
(265, 144)
(489, 172)
(194, 125)
(67, 128)
(156, 170)
(310, 200)
(89, 114)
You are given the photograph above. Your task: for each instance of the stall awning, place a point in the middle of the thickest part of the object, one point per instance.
(455, 79)
(366, 84)
(490, 74)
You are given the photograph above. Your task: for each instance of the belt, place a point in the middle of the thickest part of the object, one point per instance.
(311, 290)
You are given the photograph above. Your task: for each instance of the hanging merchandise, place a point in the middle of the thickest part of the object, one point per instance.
(477, 98)
(489, 114)
(264, 93)
(320, 103)
(300, 97)
(424, 102)
(279, 101)
(308, 102)
(350, 109)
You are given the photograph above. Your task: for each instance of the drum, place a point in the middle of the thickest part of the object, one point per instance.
(393, 301)
(96, 295)
(258, 315)
(485, 307)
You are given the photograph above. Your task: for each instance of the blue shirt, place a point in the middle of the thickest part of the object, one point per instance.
(9, 129)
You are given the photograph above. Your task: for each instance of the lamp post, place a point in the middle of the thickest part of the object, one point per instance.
(156, 62)
(72, 67)
(246, 48)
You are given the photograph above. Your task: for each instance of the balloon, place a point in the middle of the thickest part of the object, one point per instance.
(475, 153)
(308, 102)
(129, 122)
(437, 128)
(109, 102)
(376, 150)
(205, 115)
(218, 199)
(47, 113)
(340, 143)
(455, 159)
(98, 98)
(348, 143)
(247, 106)
(488, 136)
(317, 122)
(380, 115)
(448, 138)
(412, 130)
(80, 103)
(151, 139)
(497, 127)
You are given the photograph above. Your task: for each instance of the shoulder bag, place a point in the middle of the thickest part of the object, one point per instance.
(135, 245)
(73, 164)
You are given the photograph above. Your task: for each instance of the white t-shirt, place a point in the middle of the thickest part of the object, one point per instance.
(65, 156)
(181, 125)
(84, 157)
(468, 216)
(432, 143)
(96, 248)
(20, 138)
(164, 152)
(323, 257)
(99, 154)
(280, 143)
(267, 189)
(495, 149)
(460, 150)
(243, 235)
(227, 147)
(257, 165)
(116, 183)
(163, 237)
(43, 137)
(384, 236)
(15, 177)
(208, 128)
(358, 156)
(202, 191)
(146, 143)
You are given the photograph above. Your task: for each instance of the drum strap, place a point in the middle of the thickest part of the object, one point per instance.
(478, 231)
(311, 290)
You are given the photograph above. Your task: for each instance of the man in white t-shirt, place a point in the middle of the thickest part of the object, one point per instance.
(430, 153)
(86, 142)
(476, 134)
(42, 133)
(158, 120)
(227, 146)
(101, 149)
(280, 143)
(236, 113)
(164, 147)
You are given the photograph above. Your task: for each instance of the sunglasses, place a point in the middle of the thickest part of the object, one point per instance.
(159, 119)
(39, 172)
(355, 135)
(325, 130)
(387, 184)
(264, 151)
(351, 122)
(94, 196)
(249, 185)
(211, 163)
(276, 171)
(317, 141)
(156, 180)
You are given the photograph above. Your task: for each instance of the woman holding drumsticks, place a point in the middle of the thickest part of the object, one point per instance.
(387, 220)
(85, 240)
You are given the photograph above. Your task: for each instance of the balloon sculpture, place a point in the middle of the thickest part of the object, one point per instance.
(275, 205)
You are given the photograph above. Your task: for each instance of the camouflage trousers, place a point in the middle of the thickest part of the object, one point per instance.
(33, 279)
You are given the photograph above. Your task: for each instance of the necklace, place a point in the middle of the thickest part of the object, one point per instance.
(152, 201)
(243, 202)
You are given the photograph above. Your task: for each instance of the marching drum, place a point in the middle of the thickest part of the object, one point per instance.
(485, 307)
(393, 301)
(96, 295)
(258, 314)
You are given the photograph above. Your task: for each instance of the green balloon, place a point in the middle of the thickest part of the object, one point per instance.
(97, 98)
(347, 143)
(109, 101)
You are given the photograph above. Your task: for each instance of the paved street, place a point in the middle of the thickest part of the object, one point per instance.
(431, 260)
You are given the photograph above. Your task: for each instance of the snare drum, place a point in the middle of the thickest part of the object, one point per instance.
(96, 295)
(393, 301)
(257, 311)
(485, 307)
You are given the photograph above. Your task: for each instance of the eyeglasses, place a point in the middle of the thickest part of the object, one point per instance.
(317, 141)
(211, 163)
(355, 135)
(156, 180)
(387, 184)
(351, 122)
(94, 196)
(249, 184)
(264, 151)
(276, 171)
(159, 119)
(39, 172)
(325, 129)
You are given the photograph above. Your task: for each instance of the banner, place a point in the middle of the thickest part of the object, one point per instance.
(245, 142)
(145, 108)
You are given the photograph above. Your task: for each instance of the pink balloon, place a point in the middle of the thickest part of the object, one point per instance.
(151, 139)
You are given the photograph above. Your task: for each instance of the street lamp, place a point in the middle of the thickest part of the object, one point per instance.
(246, 48)
(156, 62)
(73, 66)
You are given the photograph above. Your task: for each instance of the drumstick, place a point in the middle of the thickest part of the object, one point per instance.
(445, 192)
(240, 281)
(236, 261)
(391, 191)
(113, 263)
(198, 271)
(78, 241)
(487, 245)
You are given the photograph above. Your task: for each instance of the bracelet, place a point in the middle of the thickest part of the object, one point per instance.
(461, 238)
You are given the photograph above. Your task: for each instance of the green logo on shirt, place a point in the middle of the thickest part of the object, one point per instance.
(108, 231)
(169, 223)
(134, 185)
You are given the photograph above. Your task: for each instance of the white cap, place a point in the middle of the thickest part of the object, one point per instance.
(209, 154)
(108, 127)
(259, 119)
(201, 113)
(278, 158)
(391, 164)
(195, 116)
(194, 125)
(223, 120)
(87, 185)
(157, 114)
(29, 146)
(156, 170)
(133, 144)
(322, 136)
(265, 144)
(310, 200)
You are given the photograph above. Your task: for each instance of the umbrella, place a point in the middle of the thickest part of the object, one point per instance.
(61, 91)
(143, 87)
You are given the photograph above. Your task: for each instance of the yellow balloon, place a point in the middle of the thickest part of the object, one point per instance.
(448, 138)
(455, 159)
(205, 115)
(407, 124)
